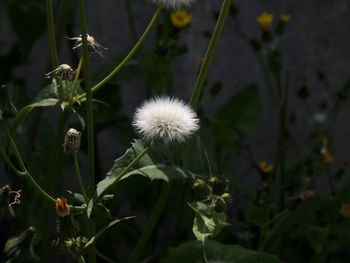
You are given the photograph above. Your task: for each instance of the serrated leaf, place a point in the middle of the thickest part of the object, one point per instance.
(207, 223)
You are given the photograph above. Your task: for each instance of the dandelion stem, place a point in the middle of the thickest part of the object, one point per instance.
(210, 54)
(157, 211)
(52, 42)
(128, 57)
(79, 178)
(52, 35)
(23, 167)
(90, 120)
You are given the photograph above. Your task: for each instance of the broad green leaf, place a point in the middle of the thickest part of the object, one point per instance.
(207, 222)
(104, 229)
(235, 120)
(192, 252)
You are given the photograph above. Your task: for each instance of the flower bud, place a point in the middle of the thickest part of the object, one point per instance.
(201, 189)
(219, 185)
(220, 205)
(72, 141)
(62, 207)
(7, 109)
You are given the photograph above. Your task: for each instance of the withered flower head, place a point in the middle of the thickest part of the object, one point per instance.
(62, 207)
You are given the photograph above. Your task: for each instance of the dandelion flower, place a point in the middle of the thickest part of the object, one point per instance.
(166, 119)
(173, 4)
(93, 45)
(180, 18)
(265, 21)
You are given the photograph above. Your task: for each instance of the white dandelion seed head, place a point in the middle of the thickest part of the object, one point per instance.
(166, 119)
(173, 4)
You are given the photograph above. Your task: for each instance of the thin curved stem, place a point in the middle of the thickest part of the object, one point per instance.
(197, 91)
(10, 164)
(24, 169)
(79, 178)
(157, 211)
(128, 57)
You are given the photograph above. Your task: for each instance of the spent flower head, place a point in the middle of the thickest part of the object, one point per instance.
(93, 45)
(173, 4)
(63, 71)
(180, 18)
(62, 207)
(166, 119)
(72, 140)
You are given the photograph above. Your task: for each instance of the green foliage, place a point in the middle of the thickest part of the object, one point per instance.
(235, 120)
(215, 252)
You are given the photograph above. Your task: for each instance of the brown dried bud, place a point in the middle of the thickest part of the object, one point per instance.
(62, 207)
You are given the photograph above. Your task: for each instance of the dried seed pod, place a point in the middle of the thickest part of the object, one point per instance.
(72, 140)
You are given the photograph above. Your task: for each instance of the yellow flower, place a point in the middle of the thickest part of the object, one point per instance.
(345, 210)
(180, 18)
(285, 18)
(265, 20)
(265, 167)
(326, 154)
(62, 207)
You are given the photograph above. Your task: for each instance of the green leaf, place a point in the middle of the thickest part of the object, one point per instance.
(192, 252)
(236, 119)
(46, 98)
(207, 222)
(104, 229)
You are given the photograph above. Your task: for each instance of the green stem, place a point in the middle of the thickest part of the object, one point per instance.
(52, 42)
(51, 172)
(90, 121)
(52, 35)
(131, 20)
(79, 178)
(89, 113)
(127, 169)
(157, 211)
(128, 57)
(10, 164)
(24, 169)
(197, 91)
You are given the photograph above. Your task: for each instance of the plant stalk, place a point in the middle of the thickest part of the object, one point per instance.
(128, 57)
(157, 211)
(79, 178)
(90, 121)
(197, 91)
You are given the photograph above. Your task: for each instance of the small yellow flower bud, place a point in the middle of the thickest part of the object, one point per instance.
(180, 18)
(72, 140)
(285, 18)
(265, 21)
(62, 208)
(265, 167)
